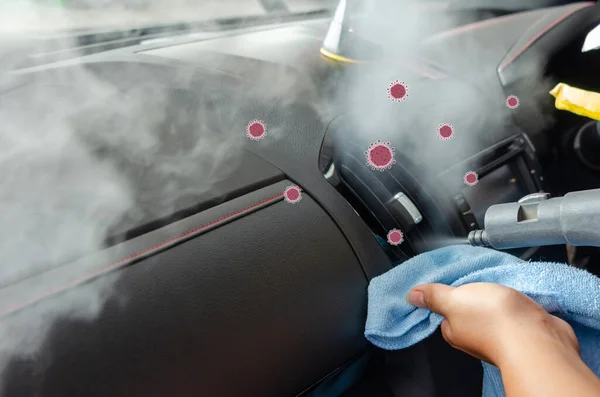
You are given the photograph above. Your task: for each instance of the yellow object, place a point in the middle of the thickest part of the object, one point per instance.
(576, 100)
(337, 58)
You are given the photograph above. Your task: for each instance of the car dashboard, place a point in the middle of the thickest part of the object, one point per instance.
(220, 285)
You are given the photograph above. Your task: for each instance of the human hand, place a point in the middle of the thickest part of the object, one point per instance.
(492, 322)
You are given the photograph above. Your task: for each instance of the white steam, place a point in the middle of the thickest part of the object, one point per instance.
(468, 96)
(64, 141)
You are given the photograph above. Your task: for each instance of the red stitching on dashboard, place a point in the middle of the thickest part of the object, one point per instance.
(540, 34)
(194, 230)
(105, 269)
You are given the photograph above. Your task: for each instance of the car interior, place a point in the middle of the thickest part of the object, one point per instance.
(207, 280)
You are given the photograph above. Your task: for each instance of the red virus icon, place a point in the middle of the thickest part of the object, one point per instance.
(445, 131)
(292, 194)
(395, 237)
(256, 130)
(397, 91)
(380, 155)
(512, 102)
(471, 178)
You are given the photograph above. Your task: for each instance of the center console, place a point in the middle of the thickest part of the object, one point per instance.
(430, 210)
(506, 172)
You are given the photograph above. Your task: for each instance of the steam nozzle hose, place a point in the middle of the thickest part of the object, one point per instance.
(537, 220)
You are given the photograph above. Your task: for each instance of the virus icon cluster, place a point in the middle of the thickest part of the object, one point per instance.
(397, 91)
(512, 102)
(471, 178)
(292, 194)
(445, 132)
(256, 130)
(380, 155)
(395, 237)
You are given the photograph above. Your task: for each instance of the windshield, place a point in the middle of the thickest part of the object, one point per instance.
(85, 15)
(37, 32)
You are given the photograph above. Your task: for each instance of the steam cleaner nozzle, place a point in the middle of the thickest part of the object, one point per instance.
(538, 220)
(478, 238)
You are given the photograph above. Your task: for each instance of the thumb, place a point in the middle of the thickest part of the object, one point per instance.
(434, 297)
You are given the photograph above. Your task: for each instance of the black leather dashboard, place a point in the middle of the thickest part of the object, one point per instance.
(211, 283)
(241, 306)
(210, 291)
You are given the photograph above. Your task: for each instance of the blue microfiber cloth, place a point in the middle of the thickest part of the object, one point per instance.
(567, 292)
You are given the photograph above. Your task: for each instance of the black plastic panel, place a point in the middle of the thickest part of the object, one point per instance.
(545, 37)
(265, 306)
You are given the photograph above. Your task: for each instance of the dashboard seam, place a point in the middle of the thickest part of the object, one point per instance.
(541, 33)
(136, 256)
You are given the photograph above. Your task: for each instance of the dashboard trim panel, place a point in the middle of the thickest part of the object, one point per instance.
(513, 55)
(22, 294)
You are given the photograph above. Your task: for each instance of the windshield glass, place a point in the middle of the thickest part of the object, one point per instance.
(37, 32)
(53, 15)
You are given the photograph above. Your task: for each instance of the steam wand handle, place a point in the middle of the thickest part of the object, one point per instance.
(538, 220)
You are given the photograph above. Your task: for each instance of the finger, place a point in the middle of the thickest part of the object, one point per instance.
(435, 297)
(447, 332)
